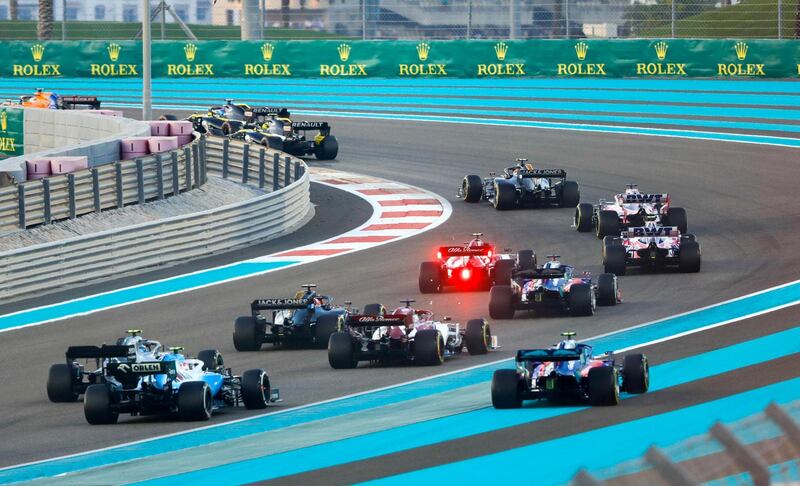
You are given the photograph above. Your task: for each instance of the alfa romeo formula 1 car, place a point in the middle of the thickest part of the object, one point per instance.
(54, 101)
(173, 383)
(406, 335)
(652, 245)
(307, 319)
(475, 265)
(522, 185)
(628, 210)
(569, 370)
(553, 286)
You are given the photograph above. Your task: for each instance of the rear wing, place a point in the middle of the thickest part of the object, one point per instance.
(310, 125)
(542, 355)
(266, 111)
(461, 251)
(540, 273)
(100, 352)
(557, 173)
(645, 232)
(376, 321)
(645, 198)
(143, 368)
(280, 304)
(70, 102)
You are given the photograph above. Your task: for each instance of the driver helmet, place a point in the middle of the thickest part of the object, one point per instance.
(136, 341)
(476, 242)
(553, 264)
(568, 344)
(632, 189)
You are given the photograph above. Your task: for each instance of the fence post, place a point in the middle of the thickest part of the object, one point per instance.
(297, 168)
(187, 166)
(245, 163)
(196, 165)
(203, 162)
(780, 18)
(743, 457)
(225, 151)
(276, 172)
(118, 169)
(287, 172)
(672, 18)
(71, 193)
(21, 203)
(96, 190)
(159, 177)
(176, 189)
(46, 194)
(261, 155)
(566, 19)
(140, 180)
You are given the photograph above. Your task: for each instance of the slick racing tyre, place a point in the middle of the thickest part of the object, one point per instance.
(274, 143)
(227, 128)
(526, 260)
(503, 272)
(195, 401)
(607, 289)
(636, 373)
(505, 389)
(505, 196)
(607, 224)
(478, 336)
(570, 195)
(603, 386)
(472, 188)
(168, 117)
(341, 351)
(583, 217)
(98, 406)
(326, 325)
(246, 334)
(677, 217)
(501, 302)
(689, 257)
(328, 149)
(429, 277)
(256, 391)
(212, 360)
(609, 241)
(61, 383)
(614, 260)
(581, 300)
(428, 348)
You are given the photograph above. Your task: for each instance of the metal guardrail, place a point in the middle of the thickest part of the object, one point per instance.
(50, 266)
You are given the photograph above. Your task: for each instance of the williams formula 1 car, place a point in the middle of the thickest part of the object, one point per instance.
(306, 319)
(552, 286)
(407, 335)
(652, 245)
(569, 371)
(628, 210)
(54, 101)
(475, 265)
(173, 383)
(522, 185)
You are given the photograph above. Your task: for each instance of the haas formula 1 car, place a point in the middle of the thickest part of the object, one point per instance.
(627, 210)
(306, 319)
(476, 265)
(651, 245)
(54, 101)
(173, 383)
(553, 286)
(522, 185)
(406, 335)
(569, 370)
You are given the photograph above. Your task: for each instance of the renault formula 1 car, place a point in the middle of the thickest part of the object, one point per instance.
(307, 319)
(569, 370)
(553, 286)
(173, 383)
(628, 210)
(406, 335)
(54, 101)
(653, 246)
(475, 265)
(522, 185)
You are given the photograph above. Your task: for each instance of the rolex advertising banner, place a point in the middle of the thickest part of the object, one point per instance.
(11, 131)
(640, 58)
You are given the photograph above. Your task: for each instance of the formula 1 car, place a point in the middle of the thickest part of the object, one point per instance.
(627, 210)
(407, 335)
(569, 370)
(651, 245)
(553, 286)
(306, 319)
(66, 382)
(522, 185)
(54, 101)
(173, 383)
(475, 265)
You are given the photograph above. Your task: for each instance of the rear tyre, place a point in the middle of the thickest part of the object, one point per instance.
(581, 302)
(256, 391)
(689, 258)
(98, 406)
(328, 149)
(505, 389)
(603, 386)
(430, 277)
(607, 289)
(526, 260)
(341, 352)
(609, 241)
(478, 336)
(570, 195)
(326, 325)
(614, 260)
(373, 310)
(246, 334)
(583, 217)
(428, 348)
(505, 196)
(227, 128)
(501, 302)
(212, 360)
(607, 224)
(677, 217)
(636, 373)
(472, 188)
(61, 383)
(195, 401)
(503, 272)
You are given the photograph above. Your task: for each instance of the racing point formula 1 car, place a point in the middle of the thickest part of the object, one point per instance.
(406, 335)
(653, 246)
(628, 210)
(522, 185)
(553, 286)
(475, 265)
(569, 370)
(54, 101)
(307, 319)
(173, 383)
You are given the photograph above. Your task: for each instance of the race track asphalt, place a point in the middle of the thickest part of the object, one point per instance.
(742, 205)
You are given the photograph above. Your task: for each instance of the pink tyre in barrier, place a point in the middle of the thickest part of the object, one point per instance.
(38, 168)
(185, 139)
(178, 128)
(159, 128)
(162, 144)
(64, 165)
(135, 145)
